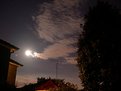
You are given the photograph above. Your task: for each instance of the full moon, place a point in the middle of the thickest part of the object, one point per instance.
(28, 52)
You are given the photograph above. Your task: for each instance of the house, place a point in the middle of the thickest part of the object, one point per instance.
(8, 67)
(12, 69)
(49, 85)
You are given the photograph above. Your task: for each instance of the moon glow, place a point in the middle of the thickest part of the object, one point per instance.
(31, 53)
(28, 53)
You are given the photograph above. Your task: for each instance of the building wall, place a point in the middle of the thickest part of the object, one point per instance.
(4, 62)
(11, 74)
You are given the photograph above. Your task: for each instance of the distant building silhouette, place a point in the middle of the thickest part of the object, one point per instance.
(8, 67)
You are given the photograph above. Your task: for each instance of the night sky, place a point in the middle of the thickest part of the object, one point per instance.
(51, 29)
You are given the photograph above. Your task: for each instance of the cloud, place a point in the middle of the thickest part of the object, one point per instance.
(71, 60)
(58, 20)
(57, 50)
(59, 24)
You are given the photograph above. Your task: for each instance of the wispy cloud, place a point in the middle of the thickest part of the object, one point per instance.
(59, 24)
(57, 50)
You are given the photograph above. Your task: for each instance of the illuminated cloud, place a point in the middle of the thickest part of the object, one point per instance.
(71, 60)
(57, 50)
(59, 23)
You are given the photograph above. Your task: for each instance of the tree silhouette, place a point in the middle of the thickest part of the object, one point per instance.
(99, 50)
(62, 85)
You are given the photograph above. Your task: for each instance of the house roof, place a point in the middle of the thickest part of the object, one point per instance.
(8, 45)
(47, 85)
(15, 63)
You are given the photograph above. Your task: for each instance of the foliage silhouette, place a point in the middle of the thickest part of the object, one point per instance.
(62, 85)
(99, 50)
